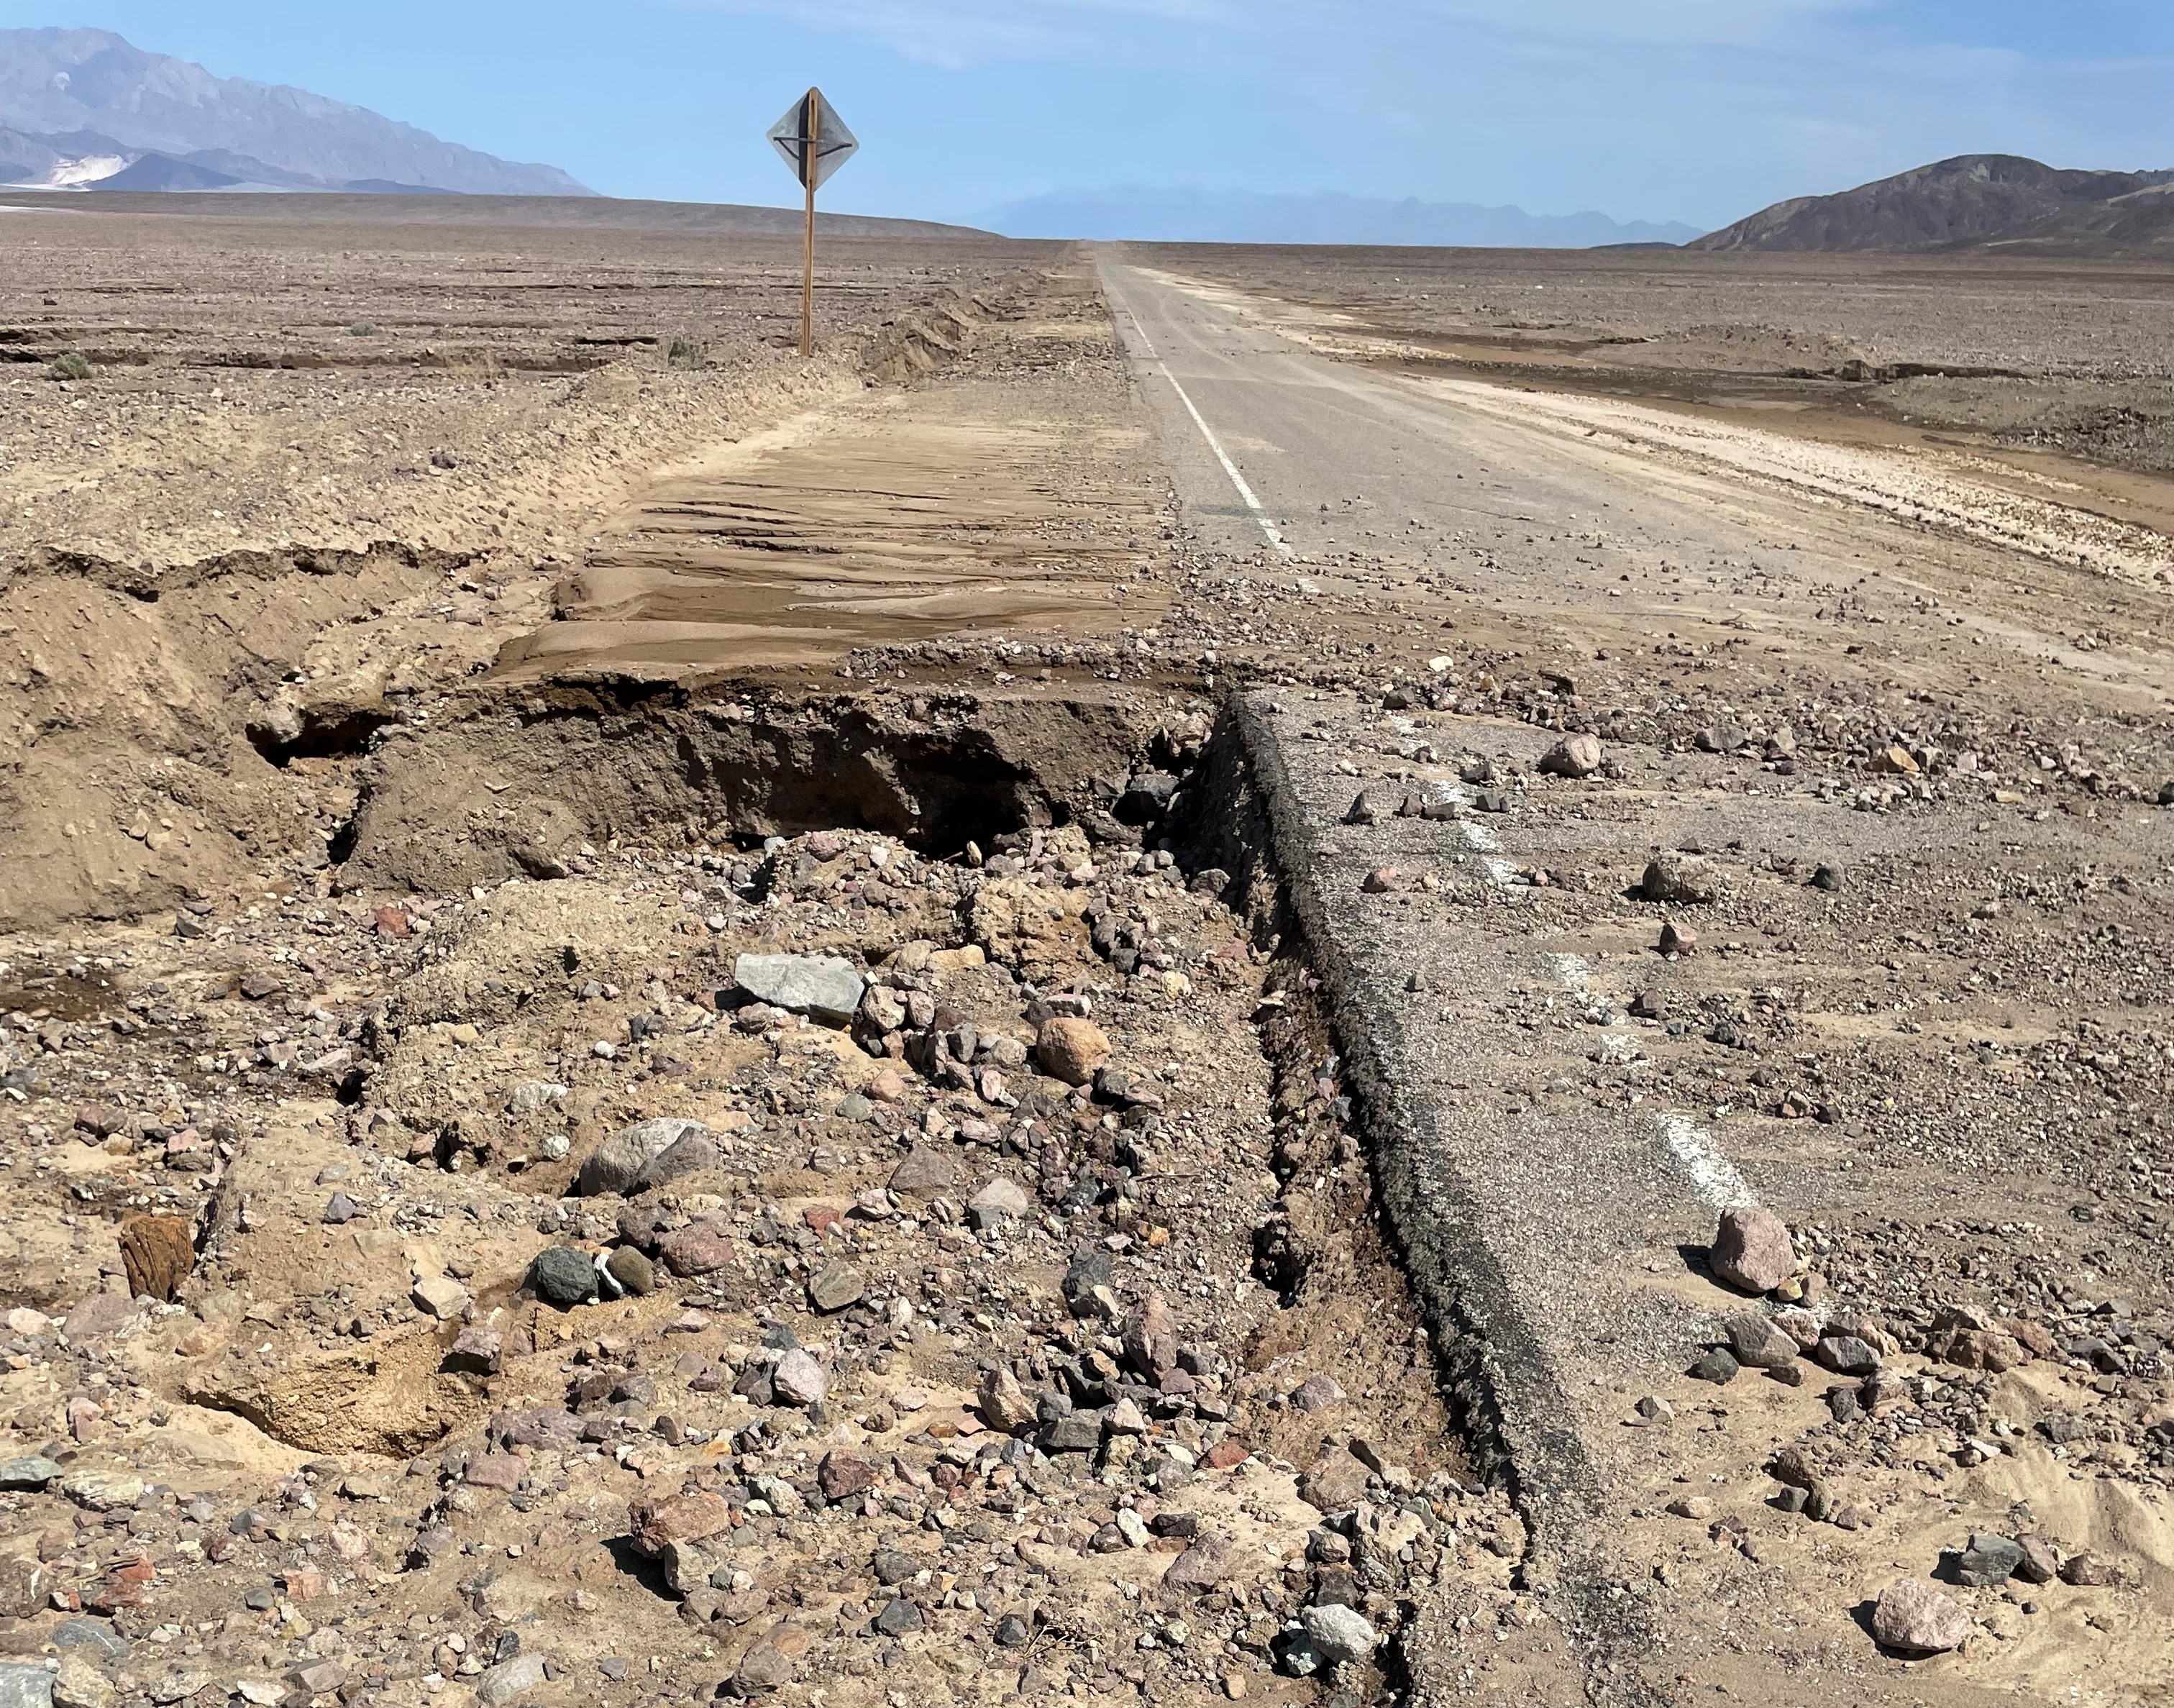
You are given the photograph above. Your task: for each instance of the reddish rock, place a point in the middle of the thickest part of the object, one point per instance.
(1225, 1453)
(1977, 1348)
(1752, 1249)
(1574, 756)
(1336, 1482)
(127, 1585)
(1151, 1339)
(658, 1523)
(820, 1217)
(496, 1471)
(1203, 1564)
(479, 1350)
(700, 1248)
(841, 1474)
(392, 923)
(1913, 1616)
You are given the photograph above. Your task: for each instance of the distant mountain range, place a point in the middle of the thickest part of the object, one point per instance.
(1974, 201)
(82, 109)
(1238, 216)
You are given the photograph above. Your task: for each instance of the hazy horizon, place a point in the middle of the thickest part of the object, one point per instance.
(1554, 107)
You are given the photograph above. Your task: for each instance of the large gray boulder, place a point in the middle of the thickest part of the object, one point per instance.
(617, 1165)
(824, 987)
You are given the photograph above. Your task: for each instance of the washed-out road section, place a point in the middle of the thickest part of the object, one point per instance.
(1546, 1153)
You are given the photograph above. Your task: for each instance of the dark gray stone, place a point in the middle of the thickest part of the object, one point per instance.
(899, 1618)
(564, 1275)
(1076, 1432)
(1989, 1561)
(103, 1641)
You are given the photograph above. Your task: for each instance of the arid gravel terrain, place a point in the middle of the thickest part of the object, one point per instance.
(644, 1055)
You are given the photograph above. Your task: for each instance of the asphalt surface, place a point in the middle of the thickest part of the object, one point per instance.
(1304, 437)
(1554, 1214)
(1339, 458)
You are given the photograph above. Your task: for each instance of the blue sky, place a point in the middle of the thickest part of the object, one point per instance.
(1694, 109)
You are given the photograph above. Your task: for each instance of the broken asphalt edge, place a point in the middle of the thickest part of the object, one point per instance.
(1497, 1377)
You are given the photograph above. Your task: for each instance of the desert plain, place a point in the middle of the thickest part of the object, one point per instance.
(1069, 1002)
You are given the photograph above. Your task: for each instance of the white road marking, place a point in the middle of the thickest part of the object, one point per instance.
(1479, 839)
(1713, 1175)
(1215, 445)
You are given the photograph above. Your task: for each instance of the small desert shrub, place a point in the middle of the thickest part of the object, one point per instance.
(73, 365)
(362, 329)
(685, 354)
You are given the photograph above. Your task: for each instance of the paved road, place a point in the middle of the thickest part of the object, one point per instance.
(1336, 458)
(1555, 1205)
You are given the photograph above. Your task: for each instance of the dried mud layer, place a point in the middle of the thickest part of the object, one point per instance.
(2053, 370)
(311, 484)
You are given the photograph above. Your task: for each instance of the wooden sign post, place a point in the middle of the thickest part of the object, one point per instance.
(815, 143)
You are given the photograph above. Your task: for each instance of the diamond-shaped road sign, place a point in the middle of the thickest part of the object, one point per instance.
(814, 140)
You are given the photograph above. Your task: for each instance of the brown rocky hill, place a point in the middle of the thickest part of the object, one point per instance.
(1970, 201)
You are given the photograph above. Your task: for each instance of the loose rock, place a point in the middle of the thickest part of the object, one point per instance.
(1752, 1249)
(1912, 1615)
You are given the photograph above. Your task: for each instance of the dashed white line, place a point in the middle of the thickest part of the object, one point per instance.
(1714, 1176)
(1711, 1173)
(1215, 445)
(1479, 839)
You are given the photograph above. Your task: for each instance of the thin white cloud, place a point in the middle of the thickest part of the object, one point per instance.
(1687, 108)
(955, 33)
(958, 33)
